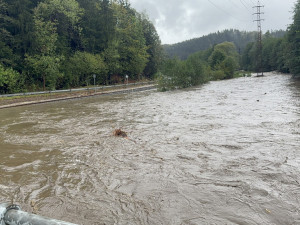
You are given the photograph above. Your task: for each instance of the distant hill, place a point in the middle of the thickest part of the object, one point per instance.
(239, 38)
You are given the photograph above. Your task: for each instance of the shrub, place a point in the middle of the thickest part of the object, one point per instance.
(9, 80)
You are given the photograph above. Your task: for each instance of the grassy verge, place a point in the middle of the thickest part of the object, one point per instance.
(40, 98)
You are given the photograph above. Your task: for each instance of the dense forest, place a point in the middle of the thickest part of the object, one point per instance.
(52, 44)
(240, 38)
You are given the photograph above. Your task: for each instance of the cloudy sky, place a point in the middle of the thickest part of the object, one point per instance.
(180, 20)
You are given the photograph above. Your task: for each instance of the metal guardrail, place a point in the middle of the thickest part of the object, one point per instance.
(76, 90)
(13, 215)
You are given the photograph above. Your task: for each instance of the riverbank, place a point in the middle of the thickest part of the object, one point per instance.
(16, 101)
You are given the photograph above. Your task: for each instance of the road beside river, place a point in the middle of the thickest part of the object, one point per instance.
(223, 153)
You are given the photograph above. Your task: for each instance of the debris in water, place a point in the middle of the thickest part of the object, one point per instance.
(268, 211)
(120, 133)
(33, 206)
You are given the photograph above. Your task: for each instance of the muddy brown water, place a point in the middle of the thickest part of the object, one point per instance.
(227, 152)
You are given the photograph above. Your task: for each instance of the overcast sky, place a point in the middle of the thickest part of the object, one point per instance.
(180, 20)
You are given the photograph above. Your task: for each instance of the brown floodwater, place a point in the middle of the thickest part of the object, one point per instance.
(227, 152)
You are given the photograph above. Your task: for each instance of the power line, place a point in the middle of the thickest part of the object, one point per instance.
(249, 4)
(253, 2)
(244, 4)
(224, 11)
(234, 3)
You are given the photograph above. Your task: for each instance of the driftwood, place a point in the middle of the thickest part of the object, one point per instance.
(120, 133)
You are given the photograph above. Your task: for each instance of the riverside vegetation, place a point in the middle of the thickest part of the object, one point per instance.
(56, 44)
(221, 61)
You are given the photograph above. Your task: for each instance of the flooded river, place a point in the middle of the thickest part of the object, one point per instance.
(227, 152)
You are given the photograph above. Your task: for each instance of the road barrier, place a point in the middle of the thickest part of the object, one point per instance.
(13, 215)
(77, 89)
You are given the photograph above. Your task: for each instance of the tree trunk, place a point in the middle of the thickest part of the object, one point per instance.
(44, 82)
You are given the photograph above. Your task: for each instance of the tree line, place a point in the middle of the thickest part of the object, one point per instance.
(219, 62)
(239, 38)
(222, 61)
(281, 54)
(53, 44)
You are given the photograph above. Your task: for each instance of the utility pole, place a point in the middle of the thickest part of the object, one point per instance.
(259, 38)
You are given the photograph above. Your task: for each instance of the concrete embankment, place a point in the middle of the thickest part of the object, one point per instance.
(4, 103)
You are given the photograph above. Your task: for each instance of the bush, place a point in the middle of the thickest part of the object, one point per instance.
(217, 75)
(9, 80)
(80, 67)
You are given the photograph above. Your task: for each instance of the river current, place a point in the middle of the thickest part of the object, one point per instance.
(227, 152)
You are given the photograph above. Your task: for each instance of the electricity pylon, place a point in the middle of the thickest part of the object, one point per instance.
(259, 38)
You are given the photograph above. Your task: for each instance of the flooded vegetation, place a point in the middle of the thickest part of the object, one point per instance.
(223, 153)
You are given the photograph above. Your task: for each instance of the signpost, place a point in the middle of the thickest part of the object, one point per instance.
(94, 82)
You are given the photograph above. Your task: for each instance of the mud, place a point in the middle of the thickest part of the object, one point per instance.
(223, 153)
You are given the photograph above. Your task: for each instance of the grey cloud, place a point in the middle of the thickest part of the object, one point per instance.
(179, 20)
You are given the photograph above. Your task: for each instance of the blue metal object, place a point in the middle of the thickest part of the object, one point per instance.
(13, 215)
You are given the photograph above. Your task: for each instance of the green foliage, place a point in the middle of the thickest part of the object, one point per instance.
(240, 39)
(228, 48)
(153, 44)
(219, 62)
(81, 67)
(223, 61)
(293, 38)
(51, 42)
(229, 66)
(132, 44)
(198, 71)
(274, 55)
(175, 74)
(112, 59)
(46, 68)
(217, 75)
(278, 53)
(216, 58)
(9, 80)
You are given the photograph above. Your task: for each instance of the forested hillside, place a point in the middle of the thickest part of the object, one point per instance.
(239, 38)
(51, 44)
(223, 61)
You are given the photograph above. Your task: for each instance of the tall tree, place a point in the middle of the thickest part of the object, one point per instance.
(294, 42)
(17, 24)
(132, 45)
(154, 48)
(47, 15)
(6, 53)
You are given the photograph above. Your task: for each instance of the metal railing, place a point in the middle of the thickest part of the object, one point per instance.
(77, 89)
(13, 215)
